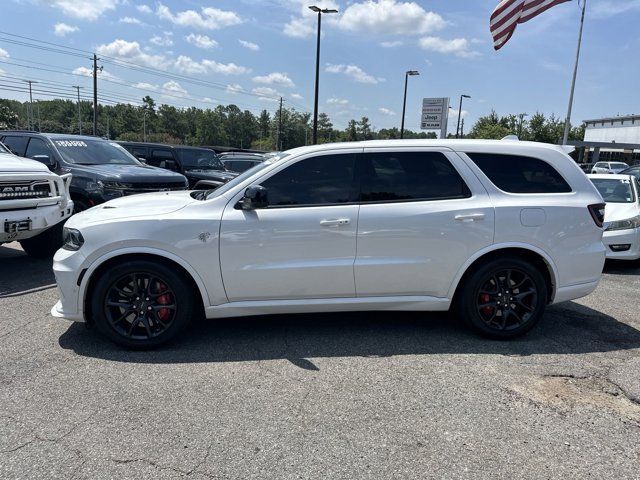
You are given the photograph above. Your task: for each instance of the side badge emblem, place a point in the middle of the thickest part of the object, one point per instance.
(204, 236)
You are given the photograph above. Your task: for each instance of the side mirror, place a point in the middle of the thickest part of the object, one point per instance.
(46, 159)
(171, 165)
(142, 160)
(255, 197)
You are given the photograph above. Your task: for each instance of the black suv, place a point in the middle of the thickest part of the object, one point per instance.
(201, 166)
(102, 170)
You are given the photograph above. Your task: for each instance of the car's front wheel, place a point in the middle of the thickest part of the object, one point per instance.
(142, 304)
(503, 298)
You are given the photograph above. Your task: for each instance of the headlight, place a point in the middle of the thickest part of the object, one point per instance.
(72, 239)
(627, 224)
(115, 185)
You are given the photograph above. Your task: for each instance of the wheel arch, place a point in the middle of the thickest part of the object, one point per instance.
(105, 262)
(536, 256)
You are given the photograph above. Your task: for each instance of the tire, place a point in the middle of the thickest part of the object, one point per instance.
(158, 310)
(45, 244)
(481, 305)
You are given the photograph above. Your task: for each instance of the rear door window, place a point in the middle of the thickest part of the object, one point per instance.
(517, 174)
(162, 158)
(16, 144)
(36, 147)
(409, 176)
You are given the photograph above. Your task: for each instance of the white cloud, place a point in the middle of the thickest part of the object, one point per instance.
(162, 41)
(201, 41)
(130, 20)
(144, 9)
(146, 86)
(275, 78)
(388, 17)
(62, 29)
(88, 72)
(225, 68)
(174, 88)
(250, 45)
(453, 114)
(267, 93)
(130, 52)
(353, 71)
(297, 96)
(235, 88)
(337, 101)
(209, 19)
(303, 24)
(85, 9)
(209, 100)
(392, 44)
(386, 111)
(188, 65)
(4, 53)
(459, 47)
(299, 28)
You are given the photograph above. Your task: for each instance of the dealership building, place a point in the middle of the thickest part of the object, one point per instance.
(611, 138)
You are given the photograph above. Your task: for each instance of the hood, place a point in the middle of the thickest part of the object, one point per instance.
(13, 164)
(130, 173)
(620, 211)
(222, 175)
(144, 205)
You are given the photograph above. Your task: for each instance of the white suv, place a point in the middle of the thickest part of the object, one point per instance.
(609, 167)
(34, 203)
(495, 229)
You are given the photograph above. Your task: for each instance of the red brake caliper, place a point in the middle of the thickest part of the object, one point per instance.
(163, 313)
(485, 298)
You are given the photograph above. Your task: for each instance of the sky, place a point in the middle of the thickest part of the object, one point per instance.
(251, 52)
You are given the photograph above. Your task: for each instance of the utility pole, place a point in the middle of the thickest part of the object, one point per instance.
(462, 129)
(567, 124)
(107, 125)
(77, 87)
(144, 125)
(278, 147)
(319, 11)
(95, 94)
(521, 116)
(30, 115)
(38, 107)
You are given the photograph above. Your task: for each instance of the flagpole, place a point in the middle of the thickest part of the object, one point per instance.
(567, 125)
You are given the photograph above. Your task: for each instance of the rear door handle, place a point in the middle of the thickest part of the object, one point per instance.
(471, 217)
(335, 222)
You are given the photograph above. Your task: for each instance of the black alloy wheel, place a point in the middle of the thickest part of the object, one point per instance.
(503, 298)
(142, 303)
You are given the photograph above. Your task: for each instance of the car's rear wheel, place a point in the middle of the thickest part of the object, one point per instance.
(142, 304)
(503, 298)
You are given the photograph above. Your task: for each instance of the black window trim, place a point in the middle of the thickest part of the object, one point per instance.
(570, 192)
(357, 177)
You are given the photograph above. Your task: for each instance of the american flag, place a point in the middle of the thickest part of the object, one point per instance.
(509, 13)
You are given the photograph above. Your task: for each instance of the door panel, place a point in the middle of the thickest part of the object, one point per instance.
(416, 247)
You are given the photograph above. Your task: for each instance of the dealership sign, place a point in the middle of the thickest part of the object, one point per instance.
(435, 113)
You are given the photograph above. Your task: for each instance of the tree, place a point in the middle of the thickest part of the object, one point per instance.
(492, 127)
(8, 118)
(325, 128)
(364, 129)
(351, 133)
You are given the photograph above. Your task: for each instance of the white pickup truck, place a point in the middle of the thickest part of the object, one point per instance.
(34, 204)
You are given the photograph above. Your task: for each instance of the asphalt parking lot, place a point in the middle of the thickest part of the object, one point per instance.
(321, 396)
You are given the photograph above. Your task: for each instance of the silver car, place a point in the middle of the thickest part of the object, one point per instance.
(609, 167)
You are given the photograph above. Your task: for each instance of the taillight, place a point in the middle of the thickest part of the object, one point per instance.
(597, 213)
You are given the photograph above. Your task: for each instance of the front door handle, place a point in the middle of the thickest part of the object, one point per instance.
(471, 217)
(335, 222)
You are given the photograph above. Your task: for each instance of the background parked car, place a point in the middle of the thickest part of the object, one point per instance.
(201, 166)
(609, 167)
(102, 170)
(240, 162)
(621, 216)
(34, 204)
(635, 171)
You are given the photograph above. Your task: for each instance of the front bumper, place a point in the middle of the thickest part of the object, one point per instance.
(42, 218)
(630, 237)
(67, 268)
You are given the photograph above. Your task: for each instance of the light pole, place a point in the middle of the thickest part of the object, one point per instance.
(522, 115)
(408, 73)
(319, 11)
(460, 115)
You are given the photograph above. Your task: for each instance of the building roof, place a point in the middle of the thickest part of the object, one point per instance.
(614, 119)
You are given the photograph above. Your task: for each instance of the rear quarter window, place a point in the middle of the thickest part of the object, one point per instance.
(518, 174)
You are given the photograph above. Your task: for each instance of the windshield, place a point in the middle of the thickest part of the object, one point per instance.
(93, 152)
(3, 149)
(199, 159)
(243, 176)
(615, 191)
